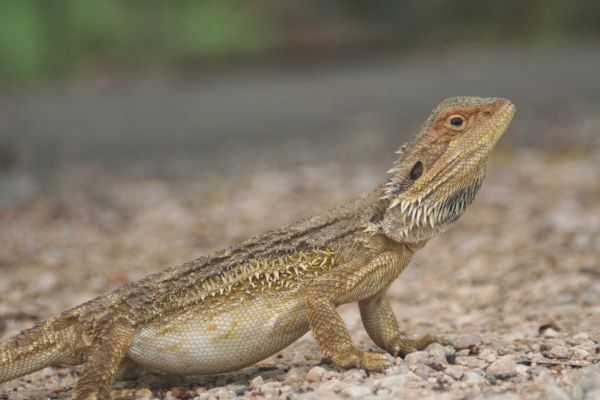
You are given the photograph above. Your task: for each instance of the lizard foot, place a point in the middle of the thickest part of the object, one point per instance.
(362, 359)
(130, 394)
(403, 346)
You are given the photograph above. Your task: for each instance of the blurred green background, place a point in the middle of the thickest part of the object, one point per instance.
(41, 39)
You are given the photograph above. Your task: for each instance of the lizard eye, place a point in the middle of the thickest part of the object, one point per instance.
(456, 122)
(416, 171)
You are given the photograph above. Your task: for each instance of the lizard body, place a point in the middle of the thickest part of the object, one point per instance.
(245, 303)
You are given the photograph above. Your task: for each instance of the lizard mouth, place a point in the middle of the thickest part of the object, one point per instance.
(504, 113)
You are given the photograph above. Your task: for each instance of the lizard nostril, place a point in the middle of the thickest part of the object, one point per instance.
(487, 113)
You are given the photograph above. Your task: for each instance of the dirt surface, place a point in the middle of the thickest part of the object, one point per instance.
(515, 286)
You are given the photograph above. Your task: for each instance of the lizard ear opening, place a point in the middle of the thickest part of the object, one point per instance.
(416, 171)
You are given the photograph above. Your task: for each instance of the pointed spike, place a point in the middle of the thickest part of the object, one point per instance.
(394, 203)
(404, 205)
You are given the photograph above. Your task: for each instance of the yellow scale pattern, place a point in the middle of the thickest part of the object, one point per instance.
(270, 275)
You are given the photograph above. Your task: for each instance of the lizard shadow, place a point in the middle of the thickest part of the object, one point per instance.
(240, 381)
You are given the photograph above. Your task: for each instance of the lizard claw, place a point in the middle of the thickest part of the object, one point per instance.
(403, 346)
(363, 360)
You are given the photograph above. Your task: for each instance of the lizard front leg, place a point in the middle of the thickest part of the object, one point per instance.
(356, 280)
(103, 362)
(381, 325)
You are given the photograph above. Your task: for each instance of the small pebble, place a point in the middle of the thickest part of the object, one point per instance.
(416, 357)
(559, 352)
(503, 368)
(522, 369)
(315, 374)
(581, 337)
(391, 382)
(471, 362)
(550, 333)
(331, 375)
(257, 382)
(354, 374)
(269, 387)
(422, 371)
(502, 396)
(488, 355)
(333, 385)
(176, 393)
(240, 390)
(356, 391)
(473, 378)
(465, 341)
(437, 353)
(454, 373)
(309, 396)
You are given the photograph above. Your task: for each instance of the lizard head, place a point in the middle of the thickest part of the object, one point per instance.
(439, 172)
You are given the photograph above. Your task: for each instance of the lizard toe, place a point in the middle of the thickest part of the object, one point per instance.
(362, 359)
(374, 362)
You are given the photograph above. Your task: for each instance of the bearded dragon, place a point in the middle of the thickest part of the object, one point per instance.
(240, 305)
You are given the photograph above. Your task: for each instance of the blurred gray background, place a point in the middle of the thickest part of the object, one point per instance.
(191, 86)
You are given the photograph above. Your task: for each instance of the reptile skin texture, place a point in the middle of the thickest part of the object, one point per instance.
(238, 306)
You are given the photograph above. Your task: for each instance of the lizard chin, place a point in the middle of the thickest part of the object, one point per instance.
(416, 221)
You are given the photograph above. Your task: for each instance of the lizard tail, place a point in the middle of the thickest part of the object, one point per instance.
(33, 349)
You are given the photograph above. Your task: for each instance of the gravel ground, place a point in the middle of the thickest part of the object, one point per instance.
(515, 286)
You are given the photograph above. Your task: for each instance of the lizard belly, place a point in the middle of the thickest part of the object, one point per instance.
(203, 341)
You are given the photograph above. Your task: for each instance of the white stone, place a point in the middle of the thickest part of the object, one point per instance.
(356, 391)
(559, 352)
(454, 373)
(416, 358)
(315, 374)
(473, 378)
(391, 382)
(502, 368)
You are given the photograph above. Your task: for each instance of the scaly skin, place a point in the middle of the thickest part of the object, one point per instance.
(243, 304)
